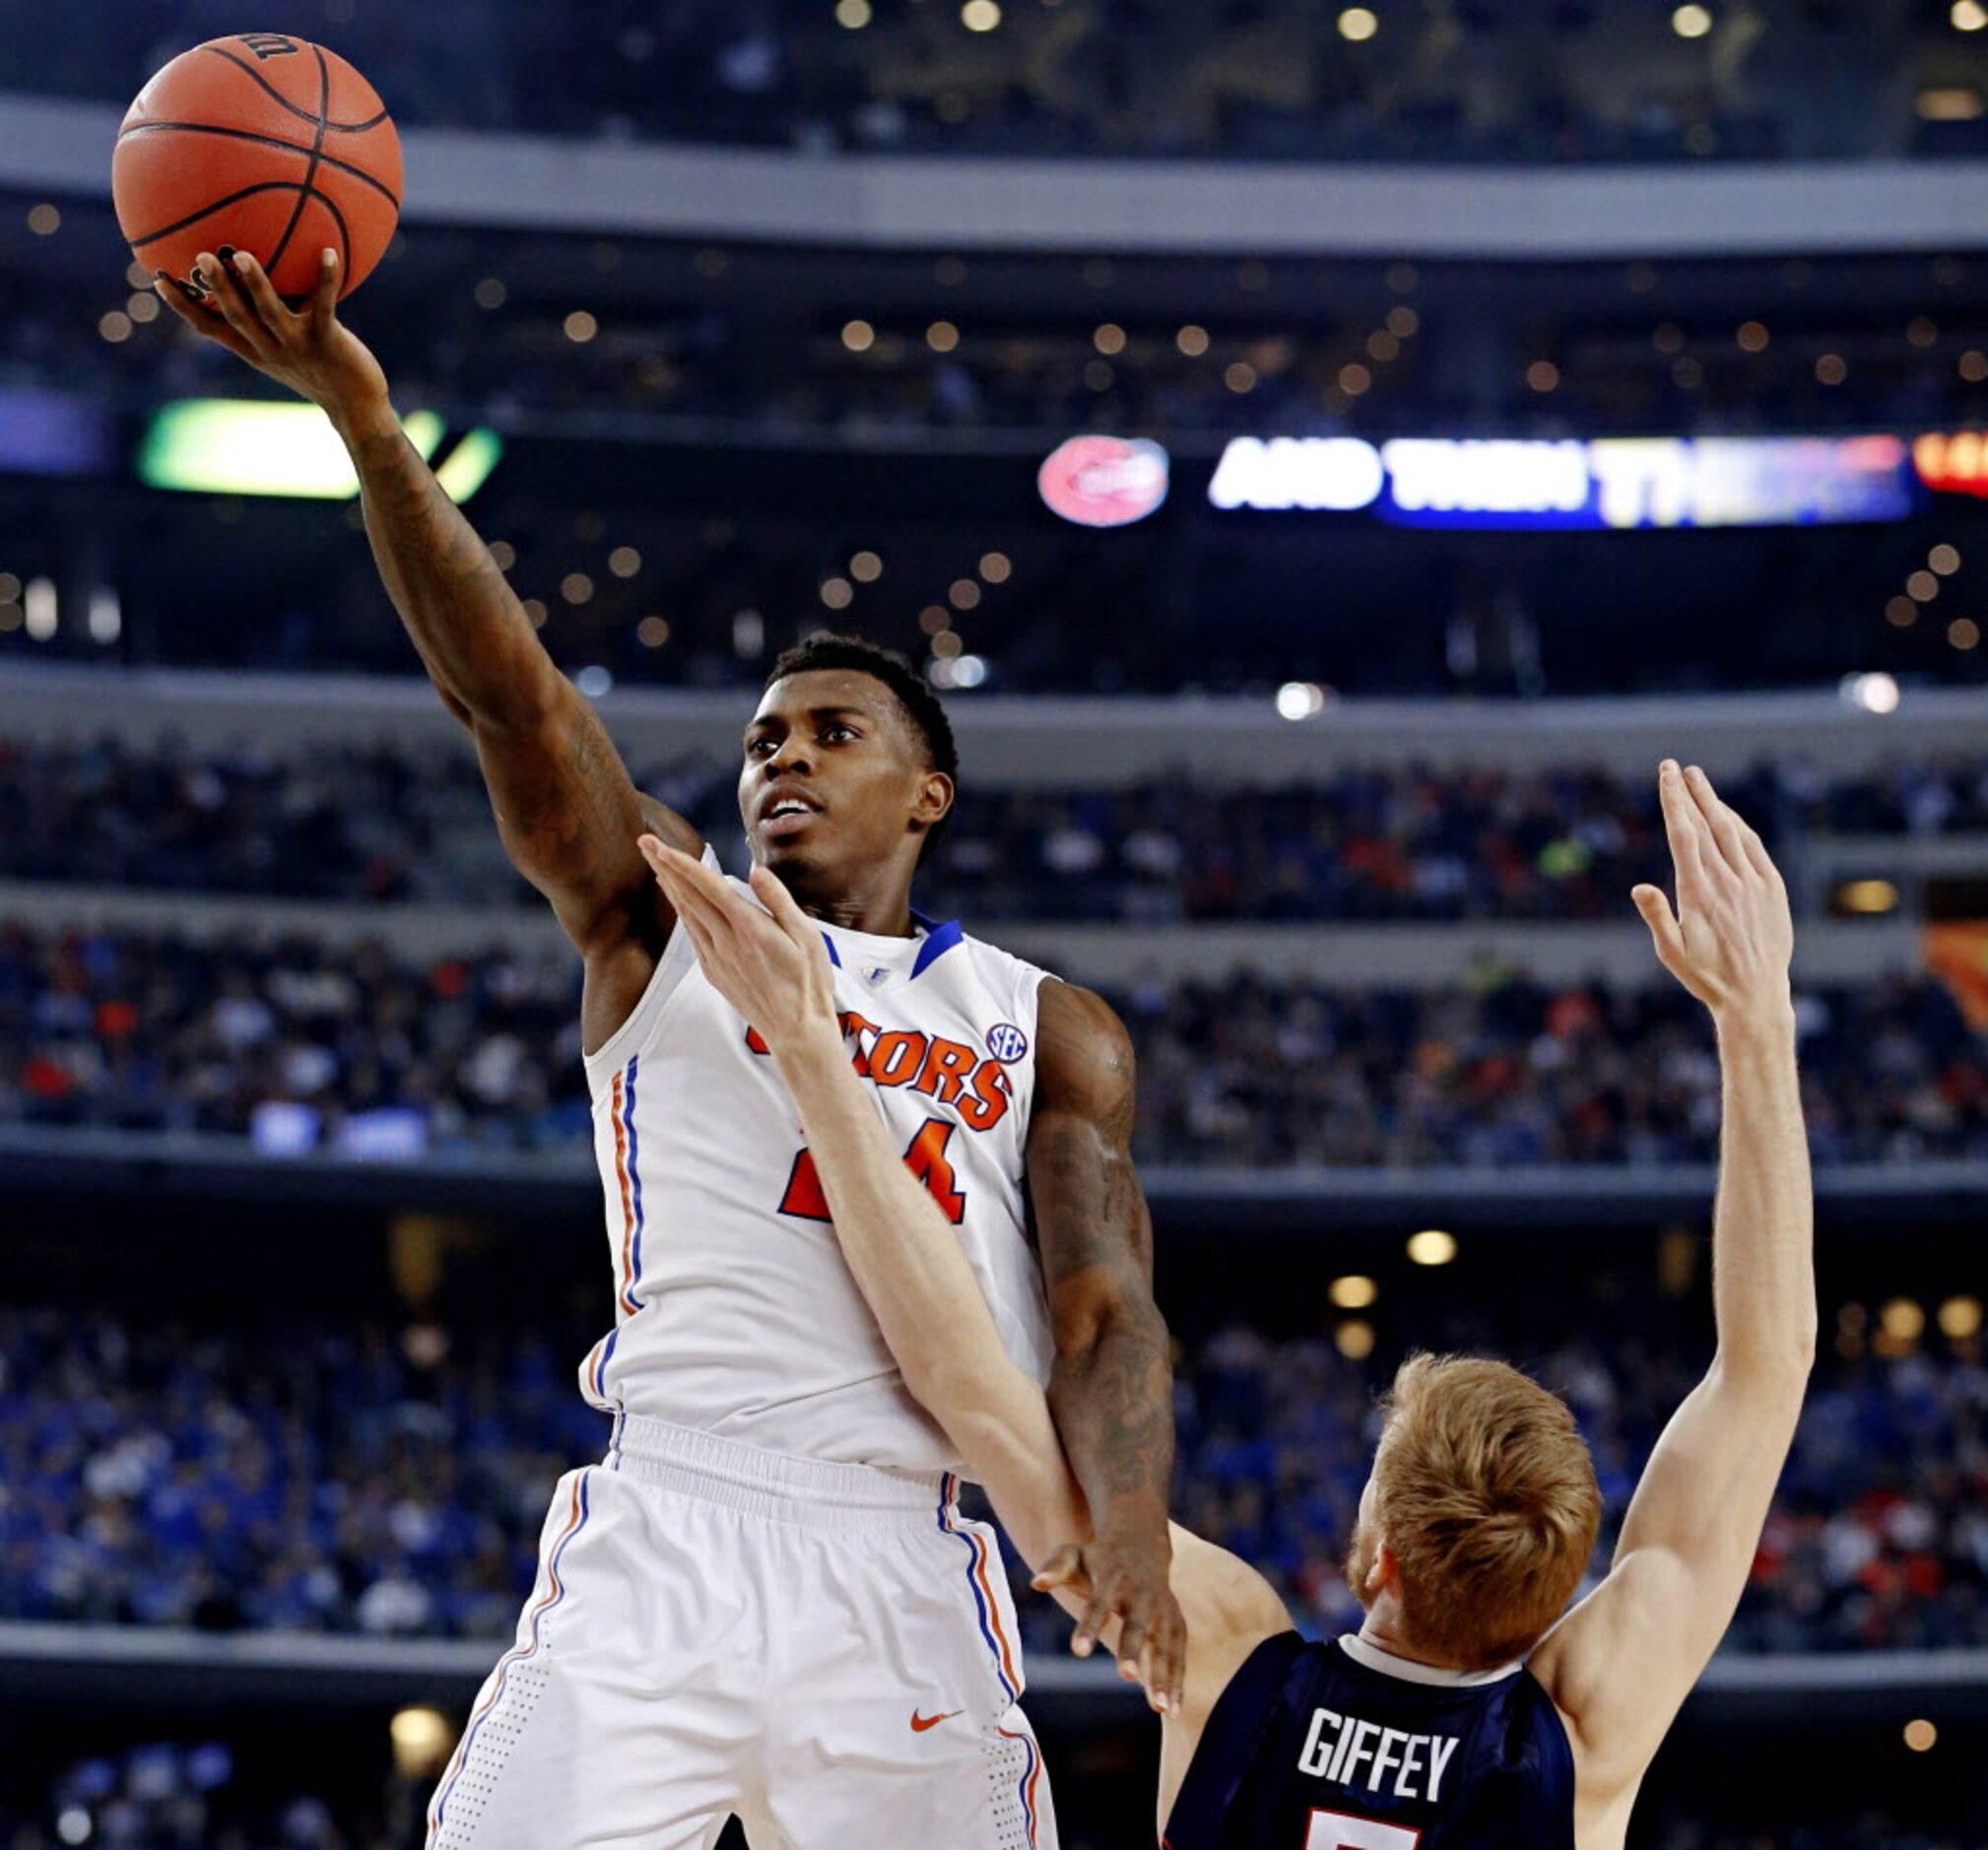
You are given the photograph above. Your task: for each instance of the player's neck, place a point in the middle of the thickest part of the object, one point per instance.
(878, 905)
(1384, 1630)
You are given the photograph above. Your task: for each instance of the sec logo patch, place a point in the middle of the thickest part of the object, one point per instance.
(1007, 1043)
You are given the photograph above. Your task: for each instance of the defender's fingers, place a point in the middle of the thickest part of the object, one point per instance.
(1683, 824)
(782, 904)
(690, 899)
(1756, 851)
(1721, 822)
(1131, 1650)
(1663, 923)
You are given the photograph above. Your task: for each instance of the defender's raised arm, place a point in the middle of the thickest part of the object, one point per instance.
(1623, 1662)
(566, 806)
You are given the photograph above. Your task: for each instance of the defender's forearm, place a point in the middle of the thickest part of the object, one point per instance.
(473, 636)
(1763, 1275)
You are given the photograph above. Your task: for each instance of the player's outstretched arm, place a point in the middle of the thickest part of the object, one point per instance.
(906, 1260)
(1621, 1663)
(566, 806)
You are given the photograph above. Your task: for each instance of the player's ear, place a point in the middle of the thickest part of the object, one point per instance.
(1386, 1572)
(935, 798)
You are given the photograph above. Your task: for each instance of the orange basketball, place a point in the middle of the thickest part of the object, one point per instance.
(265, 142)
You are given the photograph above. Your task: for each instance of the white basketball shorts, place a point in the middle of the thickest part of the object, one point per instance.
(827, 1651)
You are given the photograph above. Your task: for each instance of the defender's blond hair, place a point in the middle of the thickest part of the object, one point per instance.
(1486, 1496)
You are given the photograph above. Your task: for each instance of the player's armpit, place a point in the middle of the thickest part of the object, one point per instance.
(1619, 1666)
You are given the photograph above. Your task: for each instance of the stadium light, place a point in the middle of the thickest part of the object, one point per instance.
(1300, 700)
(1691, 22)
(250, 446)
(1354, 1292)
(421, 1739)
(1871, 693)
(1961, 1318)
(1969, 15)
(1431, 1247)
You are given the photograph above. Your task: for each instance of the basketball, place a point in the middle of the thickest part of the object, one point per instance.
(265, 142)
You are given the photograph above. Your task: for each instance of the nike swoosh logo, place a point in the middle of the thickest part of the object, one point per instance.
(919, 1723)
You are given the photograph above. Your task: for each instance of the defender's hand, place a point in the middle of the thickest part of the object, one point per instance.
(1126, 1584)
(1731, 938)
(770, 963)
(310, 350)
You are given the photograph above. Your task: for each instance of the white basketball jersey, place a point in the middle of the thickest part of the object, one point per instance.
(734, 1312)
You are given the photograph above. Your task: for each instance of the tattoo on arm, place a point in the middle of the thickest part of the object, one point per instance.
(566, 806)
(1112, 1384)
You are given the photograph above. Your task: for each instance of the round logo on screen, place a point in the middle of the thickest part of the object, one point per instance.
(1007, 1043)
(1105, 481)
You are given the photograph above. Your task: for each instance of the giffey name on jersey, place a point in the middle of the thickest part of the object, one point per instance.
(972, 1084)
(1354, 1752)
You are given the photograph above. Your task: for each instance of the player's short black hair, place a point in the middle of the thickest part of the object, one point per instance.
(920, 703)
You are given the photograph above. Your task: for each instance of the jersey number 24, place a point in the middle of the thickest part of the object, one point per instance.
(926, 1160)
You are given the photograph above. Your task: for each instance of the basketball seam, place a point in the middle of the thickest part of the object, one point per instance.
(268, 141)
(309, 192)
(250, 71)
(212, 205)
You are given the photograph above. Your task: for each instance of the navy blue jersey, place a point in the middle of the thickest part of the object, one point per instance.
(1341, 1746)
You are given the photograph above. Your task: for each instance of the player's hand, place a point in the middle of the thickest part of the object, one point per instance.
(767, 961)
(1124, 1585)
(1730, 939)
(308, 348)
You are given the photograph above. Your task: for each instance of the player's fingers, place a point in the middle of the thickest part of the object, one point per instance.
(225, 290)
(1131, 1650)
(1762, 861)
(190, 305)
(324, 295)
(1655, 907)
(1064, 1568)
(1171, 1673)
(1683, 824)
(1663, 923)
(1721, 822)
(261, 293)
(1097, 1615)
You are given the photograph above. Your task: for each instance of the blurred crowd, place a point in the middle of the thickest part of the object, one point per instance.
(174, 1796)
(1603, 80)
(301, 1476)
(301, 1047)
(1362, 844)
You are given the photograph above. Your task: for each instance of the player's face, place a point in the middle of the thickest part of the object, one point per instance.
(835, 778)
